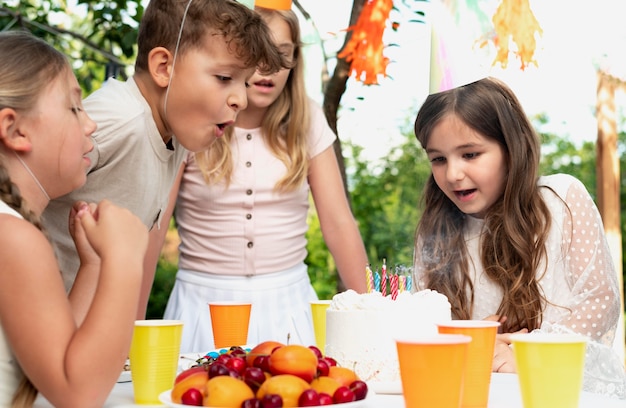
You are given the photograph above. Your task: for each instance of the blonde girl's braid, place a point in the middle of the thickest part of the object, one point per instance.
(10, 194)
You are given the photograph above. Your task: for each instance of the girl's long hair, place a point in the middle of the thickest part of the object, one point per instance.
(27, 66)
(284, 126)
(512, 243)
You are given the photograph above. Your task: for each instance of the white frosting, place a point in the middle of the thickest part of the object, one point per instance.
(361, 329)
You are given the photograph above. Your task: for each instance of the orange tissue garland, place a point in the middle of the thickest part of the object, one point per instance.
(364, 50)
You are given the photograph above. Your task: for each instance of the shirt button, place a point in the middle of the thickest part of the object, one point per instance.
(250, 244)
(249, 136)
(249, 192)
(248, 216)
(248, 164)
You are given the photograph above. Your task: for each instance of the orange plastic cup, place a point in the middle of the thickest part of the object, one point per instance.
(318, 312)
(479, 358)
(432, 370)
(230, 321)
(550, 368)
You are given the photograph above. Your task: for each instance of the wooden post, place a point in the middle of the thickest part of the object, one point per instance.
(608, 184)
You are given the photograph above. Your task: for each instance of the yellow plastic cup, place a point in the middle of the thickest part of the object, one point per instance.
(550, 368)
(479, 358)
(154, 354)
(230, 321)
(432, 370)
(318, 312)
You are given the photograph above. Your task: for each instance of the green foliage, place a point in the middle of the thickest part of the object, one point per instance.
(161, 289)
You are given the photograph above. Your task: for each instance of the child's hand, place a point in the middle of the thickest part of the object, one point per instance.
(113, 231)
(503, 358)
(85, 251)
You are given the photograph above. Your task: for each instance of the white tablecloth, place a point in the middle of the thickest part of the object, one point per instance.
(504, 393)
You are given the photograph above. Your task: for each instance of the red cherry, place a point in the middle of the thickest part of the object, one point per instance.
(223, 358)
(272, 401)
(322, 367)
(217, 369)
(237, 351)
(192, 397)
(317, 351)
(237, 364)
(251, 403)
(359, 388)
(254, 377)
(331, 361)
(343, 394)
(325, 399)
(263, 362)
(309, 398)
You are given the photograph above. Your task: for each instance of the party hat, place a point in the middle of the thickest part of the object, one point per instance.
(274, 4)
(453, 62)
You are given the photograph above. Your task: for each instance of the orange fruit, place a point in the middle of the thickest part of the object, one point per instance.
(288, 386)
(343, 375)
(227, 392)
(261, 349)
(294, 359)
(194, 377)
(325, 384)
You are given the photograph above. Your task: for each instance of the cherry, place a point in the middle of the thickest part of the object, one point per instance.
(252, 403)
(359, 388)
(237, 364)
(263, 362)
(331, 361)
(343, 394)
(325, 399)
(192, 397)
(223, 358)
(272, 401)
(317, 351)
(217, 369)
(254, 377)
(322, 367)
(237, 351)
(309, 398)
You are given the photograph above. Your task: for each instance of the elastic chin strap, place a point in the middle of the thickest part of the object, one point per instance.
(32, 175)
(180, 34)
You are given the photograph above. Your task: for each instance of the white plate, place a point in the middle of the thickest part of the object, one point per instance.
(165, 398)
(125, 374)
(385, 387)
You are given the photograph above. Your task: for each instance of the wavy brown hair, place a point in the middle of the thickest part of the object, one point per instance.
(27, 66)
(243, 29)
(512, 244)
(284, 126)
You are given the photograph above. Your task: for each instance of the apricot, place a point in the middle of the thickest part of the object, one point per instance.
(226, 392)
(343, 375)
(194, 377)
(325, 385)
(288, 386)
(294, 359)
(262, 349)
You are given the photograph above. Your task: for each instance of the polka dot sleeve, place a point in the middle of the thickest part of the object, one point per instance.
(590, 271)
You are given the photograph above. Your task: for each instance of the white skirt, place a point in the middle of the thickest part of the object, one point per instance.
(280, 311)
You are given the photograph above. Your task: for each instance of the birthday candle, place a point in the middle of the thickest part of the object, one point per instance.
(383, 283)
(369, 278)
(409, 283)
(393, 283)
(402, 283)
(376, 281)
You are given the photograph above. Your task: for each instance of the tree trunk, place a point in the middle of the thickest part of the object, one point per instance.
(333, 91)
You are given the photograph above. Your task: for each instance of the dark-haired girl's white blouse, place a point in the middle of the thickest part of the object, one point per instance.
(580, 282)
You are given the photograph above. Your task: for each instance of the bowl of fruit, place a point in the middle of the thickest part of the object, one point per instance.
(268, 375)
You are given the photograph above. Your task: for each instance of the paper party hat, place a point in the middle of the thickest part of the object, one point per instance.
(274, 4)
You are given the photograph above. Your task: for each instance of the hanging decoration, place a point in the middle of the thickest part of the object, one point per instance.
(364, 50)
(515, 22)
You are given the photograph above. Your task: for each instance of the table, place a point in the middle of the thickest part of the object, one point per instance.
(504, 393)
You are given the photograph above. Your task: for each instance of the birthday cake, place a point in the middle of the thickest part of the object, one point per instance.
(361, 329)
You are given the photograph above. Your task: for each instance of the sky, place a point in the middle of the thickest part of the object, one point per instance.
(577, 38)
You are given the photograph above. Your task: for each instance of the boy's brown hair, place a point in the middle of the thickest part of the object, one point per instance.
(246, 33)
